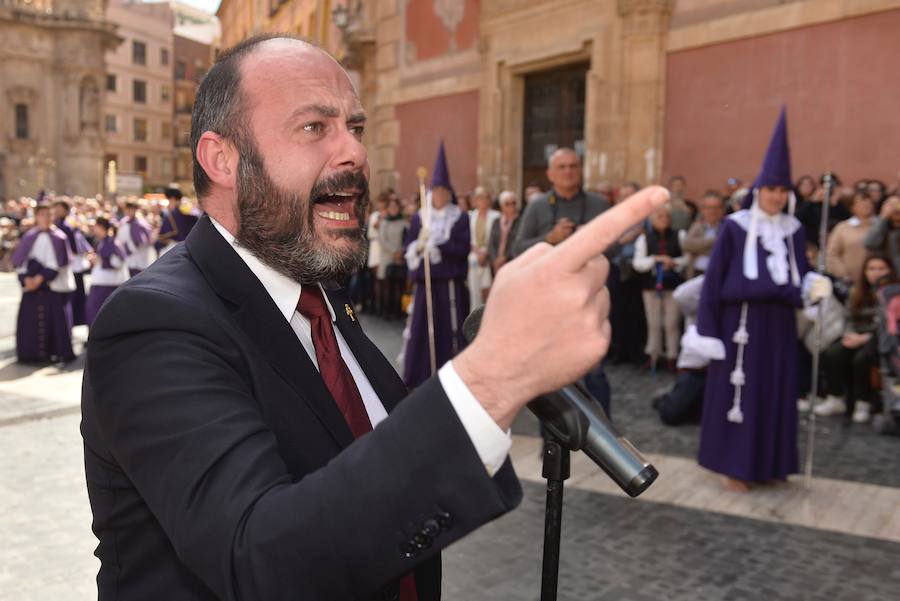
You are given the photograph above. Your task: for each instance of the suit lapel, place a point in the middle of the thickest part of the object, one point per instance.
(264, 324)
(381, 374)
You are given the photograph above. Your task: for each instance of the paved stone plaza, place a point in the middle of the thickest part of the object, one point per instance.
(684, 540)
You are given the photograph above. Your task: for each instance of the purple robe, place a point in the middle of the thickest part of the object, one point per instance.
(139, 230)
(449, 274)
(78, 245)
(44, 323)
(176, 221)
(764, 446)
(106, 250)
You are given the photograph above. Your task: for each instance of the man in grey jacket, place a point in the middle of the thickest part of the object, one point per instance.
(553, 216)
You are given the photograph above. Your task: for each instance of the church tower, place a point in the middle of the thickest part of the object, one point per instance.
(52, 72)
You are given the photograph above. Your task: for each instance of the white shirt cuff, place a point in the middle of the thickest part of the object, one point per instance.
(491, 443)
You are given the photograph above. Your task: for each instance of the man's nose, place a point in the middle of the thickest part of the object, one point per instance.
(351, 152)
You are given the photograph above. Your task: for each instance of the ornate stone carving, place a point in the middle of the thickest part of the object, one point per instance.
(451, 13)
(21, 95)
(89, 105)
(645, 17)
(630, 7)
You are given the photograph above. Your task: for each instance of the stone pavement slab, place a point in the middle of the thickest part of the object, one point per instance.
(620, 549)
(843, 451)
(837, 505)
(47, 550)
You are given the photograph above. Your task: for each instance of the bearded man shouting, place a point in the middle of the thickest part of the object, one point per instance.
(243, 438)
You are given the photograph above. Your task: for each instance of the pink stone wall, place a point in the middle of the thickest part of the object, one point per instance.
(840, 82)
(453, 118)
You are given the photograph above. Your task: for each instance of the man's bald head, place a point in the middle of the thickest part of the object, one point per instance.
(221, 106)
(565, 155)
(564, 171)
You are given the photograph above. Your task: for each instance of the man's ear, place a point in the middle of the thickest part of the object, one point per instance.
(219, 158)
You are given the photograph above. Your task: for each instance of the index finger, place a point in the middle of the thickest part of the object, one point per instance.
(594, 237)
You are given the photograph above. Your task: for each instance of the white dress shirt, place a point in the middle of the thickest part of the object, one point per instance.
(490, 442)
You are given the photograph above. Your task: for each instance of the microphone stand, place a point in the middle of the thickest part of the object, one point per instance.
(556, 472)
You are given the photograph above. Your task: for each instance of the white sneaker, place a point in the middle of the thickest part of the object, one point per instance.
(832, 405)
(861, 412)
(802, 405)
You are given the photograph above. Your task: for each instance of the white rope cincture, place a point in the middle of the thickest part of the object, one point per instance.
(738, 378)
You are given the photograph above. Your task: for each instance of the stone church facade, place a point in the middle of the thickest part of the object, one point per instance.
(52, 77)
(643, 89)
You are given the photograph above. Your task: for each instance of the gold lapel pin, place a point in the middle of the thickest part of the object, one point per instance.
(349, 311)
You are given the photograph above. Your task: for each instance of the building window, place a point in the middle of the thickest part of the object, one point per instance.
(138, 53)
(140, 90)
(140, 129)
(165, 167)
(165, 130)
(112, 124)
(180, 69)
(164, 56)
(140, 164)
(22, 121)
(165, 93)
(110, 83)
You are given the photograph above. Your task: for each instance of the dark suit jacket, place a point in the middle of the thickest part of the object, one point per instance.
(219, 467)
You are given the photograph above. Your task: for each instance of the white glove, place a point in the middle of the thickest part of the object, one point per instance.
(819, 289)
(422, 240)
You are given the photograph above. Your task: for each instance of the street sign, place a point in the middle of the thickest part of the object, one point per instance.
(129, 184)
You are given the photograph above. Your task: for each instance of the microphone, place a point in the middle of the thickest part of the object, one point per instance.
(577, 420)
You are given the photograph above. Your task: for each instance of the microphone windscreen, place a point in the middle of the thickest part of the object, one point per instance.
(472, 323)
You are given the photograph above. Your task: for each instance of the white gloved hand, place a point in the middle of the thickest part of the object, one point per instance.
(422, 240)
(819, 289)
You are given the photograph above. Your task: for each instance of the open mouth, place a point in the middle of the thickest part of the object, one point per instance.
(339, 206)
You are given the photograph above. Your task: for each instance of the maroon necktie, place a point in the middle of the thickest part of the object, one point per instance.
(340, 383)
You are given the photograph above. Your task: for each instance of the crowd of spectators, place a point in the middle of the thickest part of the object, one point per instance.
(649, 264)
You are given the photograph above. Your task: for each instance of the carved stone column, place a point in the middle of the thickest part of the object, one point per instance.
(644, 25)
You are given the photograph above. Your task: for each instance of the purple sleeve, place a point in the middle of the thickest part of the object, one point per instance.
(23, 249)
(708, 311)
(460, 242)
(35, 268)
(803, 267)
(139, 234)
(412, 232)
(82, 246)
(105, 250)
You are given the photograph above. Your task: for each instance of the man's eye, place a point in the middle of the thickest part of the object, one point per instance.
(358, 130)
(314, 128)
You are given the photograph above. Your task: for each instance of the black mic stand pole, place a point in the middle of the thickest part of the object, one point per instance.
(556, 471)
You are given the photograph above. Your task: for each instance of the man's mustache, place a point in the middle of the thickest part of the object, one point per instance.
(341, 182)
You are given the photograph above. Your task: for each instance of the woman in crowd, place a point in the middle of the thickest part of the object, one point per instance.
(846, 252)
(806, 187)
(110, 268)
(849, 362)
(884, 237)
(370, 284)
(392, 267)
(810, 212)
(658, 256)
(481, 220)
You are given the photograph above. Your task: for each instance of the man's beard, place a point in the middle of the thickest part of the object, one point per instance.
(278, 227)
